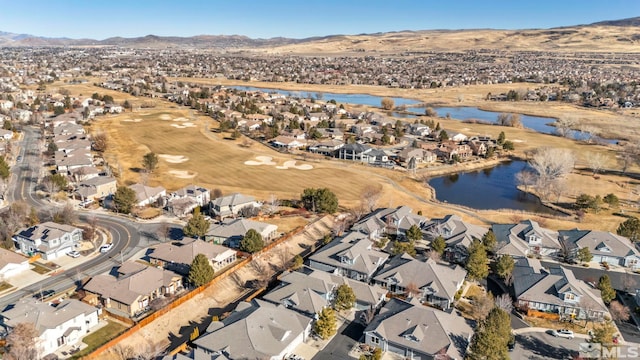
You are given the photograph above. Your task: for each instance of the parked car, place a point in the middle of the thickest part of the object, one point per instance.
(45, 294)
(19, 158)
(106, 247)
(73, 254)
(564, 333)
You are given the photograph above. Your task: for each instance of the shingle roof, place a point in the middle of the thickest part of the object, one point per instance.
(598, 242)
(360, 250)
(43, 315)
(185, 251)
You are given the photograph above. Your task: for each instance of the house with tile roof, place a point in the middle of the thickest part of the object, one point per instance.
(433, 283)
(555, 290)
(526, 238)
(255, 330)
(603, 245)
(414, 331)
(64, 323)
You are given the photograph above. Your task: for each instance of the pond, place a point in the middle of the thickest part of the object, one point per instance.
(490, 188)
(536, 123)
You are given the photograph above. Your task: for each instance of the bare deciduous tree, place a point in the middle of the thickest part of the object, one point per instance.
(551, 164)
(100, 142)
(564, 125)
(369, 197)
(481, 306)
(619, 311)
(525, 178)
(504, 302)
(22, 342)
(122, 352)
(272, 205)
(596, 161)
(283, 257)
(164, 230)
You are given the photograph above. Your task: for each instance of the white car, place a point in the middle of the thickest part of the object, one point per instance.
(74, 254)
(106, 247)
(564, 333)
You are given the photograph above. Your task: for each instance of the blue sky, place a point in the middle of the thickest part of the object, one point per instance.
(295, 19)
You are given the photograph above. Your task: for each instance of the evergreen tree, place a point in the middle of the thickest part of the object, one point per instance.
(414, 233)
(345, 298)
(584, 255)
(400, 247)
(197, 226)
(443, 136)
(150, 161)
(490, 340)
(5, 170)
(504, 266)
(251, 242)
(477, 267)
(501, 138)
(489, 240)
(438, 245)
(607, 292)
(201, 271)
(124, 199)
(325, 326)
(630, 228)
(319, 200)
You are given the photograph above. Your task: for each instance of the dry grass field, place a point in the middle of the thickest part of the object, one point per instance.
(191, 153)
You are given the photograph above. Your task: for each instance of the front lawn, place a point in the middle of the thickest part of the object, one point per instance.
(100, 337)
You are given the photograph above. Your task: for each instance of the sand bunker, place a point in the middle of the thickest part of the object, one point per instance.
(292, 164)
(262, 160)
(183, 125)
(517, 141)
(182, 174)
(267, 160)
(132, 120)
(165, 117)
(181, 119)
(174, 159)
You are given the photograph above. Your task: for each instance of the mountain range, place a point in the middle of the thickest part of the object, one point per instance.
(615, 35)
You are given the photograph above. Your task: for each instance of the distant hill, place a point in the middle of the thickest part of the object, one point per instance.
(635, 21)
(611, 36)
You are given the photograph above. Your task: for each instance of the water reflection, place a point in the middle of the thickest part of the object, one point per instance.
(491, 188)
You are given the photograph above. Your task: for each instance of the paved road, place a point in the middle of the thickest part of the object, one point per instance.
(125, 234)
(339, 347)
(544, 346)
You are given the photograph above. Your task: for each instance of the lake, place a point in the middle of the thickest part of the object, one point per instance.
(490, 188)
(536, 123)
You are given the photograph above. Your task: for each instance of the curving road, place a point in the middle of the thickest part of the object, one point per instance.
(125, 234)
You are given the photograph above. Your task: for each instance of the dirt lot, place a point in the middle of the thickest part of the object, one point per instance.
(225, 291)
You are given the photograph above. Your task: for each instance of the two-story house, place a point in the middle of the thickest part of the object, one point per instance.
(58, 325)
(50, 240)
(555, 290)
(352, 256)
(392, 221)
(457, 234)
(526, 238)
(232, 205)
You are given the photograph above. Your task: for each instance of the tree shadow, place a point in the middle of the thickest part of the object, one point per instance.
(546, 350)
(136, 169)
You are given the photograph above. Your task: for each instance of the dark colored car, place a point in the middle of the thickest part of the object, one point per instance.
(45, 294)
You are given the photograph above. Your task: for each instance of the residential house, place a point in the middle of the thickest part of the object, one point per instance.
(133, 290)
(327, 147)
(429, 281)
(352, 256)
(447, 150)
(255, 330)
(58, 325)
(526, 238)
(355, 152)
(147, 195)
(97, 188)
(6, 135)
(50, 240)
(231, 231)
(555, 290)
(331, 133)
(309, 291)
(289, 142)
(185, 200)
(232, 205)
(12, 264)
(457, 234)
(413, 331)
(479, 148)
(179, 255)
(419, 129)
(392, 221)
(604, 246)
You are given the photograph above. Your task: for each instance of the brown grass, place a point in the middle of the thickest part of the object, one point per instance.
(219, 163)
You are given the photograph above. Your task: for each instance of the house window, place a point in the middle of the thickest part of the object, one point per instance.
(375, 340)
(533, 238)
(569, 296)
